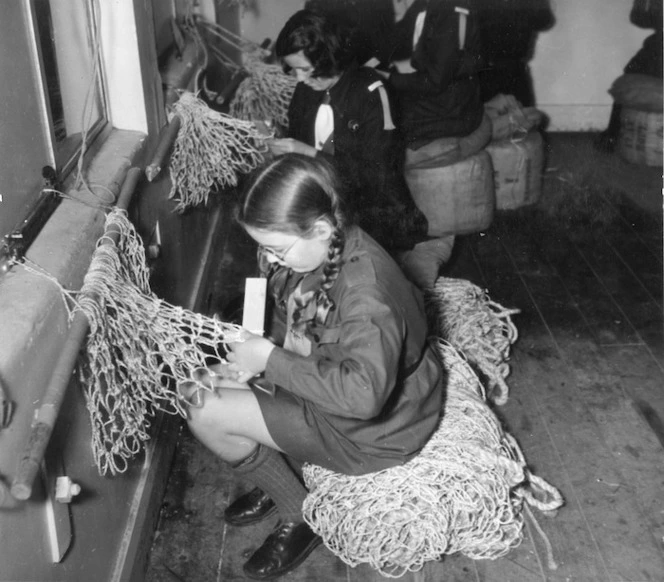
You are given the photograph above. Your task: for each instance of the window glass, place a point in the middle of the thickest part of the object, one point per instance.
(70, 60)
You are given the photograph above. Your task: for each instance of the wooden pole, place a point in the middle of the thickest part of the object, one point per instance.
(49, 407)
(167, 137)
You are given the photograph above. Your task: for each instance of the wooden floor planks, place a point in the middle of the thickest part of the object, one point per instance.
(586, 403)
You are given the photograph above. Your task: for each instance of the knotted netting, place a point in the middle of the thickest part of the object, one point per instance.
(463, 493)
(482, 329)
(265, 94)
(210, 151)
(138, 349)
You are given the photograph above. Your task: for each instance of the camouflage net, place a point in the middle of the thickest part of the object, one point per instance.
(138, 348)
(480, 328)
(210, 150)
(463, 493)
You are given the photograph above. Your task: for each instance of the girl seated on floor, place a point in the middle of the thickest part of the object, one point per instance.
(346, 378)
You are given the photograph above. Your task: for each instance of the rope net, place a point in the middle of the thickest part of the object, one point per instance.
(463, 493)
(265, 94)
(464, 315)
(138, 348)
(210, 150)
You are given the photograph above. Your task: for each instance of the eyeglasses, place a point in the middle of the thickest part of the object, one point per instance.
(281, 256)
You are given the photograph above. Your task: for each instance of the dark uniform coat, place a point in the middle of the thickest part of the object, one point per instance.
(367, 152)
(370, 393)
(442, 98)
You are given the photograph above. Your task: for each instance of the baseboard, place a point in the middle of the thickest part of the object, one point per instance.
(574, 117)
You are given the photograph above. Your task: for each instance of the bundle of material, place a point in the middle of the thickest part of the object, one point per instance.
(464, 492)
(265, 94)
(210, 150)
(642, 92)
(641, 119)
(139, 348)
(465, 316)
(509, 119)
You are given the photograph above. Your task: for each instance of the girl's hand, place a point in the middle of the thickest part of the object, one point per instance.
(249, 358)
(288, 145)
(221, 375)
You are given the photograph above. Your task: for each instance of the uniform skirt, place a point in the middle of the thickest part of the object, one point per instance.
(300, 431)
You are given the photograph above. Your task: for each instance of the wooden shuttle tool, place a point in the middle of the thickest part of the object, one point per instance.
(253, 314)
(253, 320)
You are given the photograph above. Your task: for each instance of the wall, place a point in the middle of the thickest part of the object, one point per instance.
(577, 60)
(264, 19)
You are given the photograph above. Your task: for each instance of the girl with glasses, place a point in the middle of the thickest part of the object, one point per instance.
(347, 379)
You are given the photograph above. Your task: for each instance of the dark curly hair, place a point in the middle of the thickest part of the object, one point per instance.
(322, 39)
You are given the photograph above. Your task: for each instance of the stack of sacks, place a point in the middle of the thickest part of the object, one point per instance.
(640, 137)
(516, 150)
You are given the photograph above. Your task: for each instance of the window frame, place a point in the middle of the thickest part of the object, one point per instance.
(65, 154)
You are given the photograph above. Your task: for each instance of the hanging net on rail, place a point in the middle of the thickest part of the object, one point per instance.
(211, 149)
(480, 328)
(265, 93)
(138, 349)
(464, 492)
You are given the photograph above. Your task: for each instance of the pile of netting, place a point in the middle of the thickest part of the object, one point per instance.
(480, 328)
(139, 348)
(211, 149)
(463, 493)
(265, 94)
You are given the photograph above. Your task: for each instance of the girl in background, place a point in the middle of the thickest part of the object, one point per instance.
(342, 112)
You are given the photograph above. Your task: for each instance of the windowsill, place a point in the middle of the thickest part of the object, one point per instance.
(33, 317)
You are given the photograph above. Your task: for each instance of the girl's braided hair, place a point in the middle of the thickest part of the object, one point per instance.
(290, 194)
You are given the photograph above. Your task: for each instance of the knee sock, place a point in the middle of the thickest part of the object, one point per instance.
(267, 469)
(296, 466)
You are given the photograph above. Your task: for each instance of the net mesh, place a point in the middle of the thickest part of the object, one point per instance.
(463, 493)
(138, 349)
(265, 94)
(482, 329)
(210, 151)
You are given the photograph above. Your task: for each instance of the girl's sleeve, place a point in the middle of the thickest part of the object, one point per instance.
(353, 370)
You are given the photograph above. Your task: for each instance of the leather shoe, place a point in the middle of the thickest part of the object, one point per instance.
(250, 508)
(284, 550)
